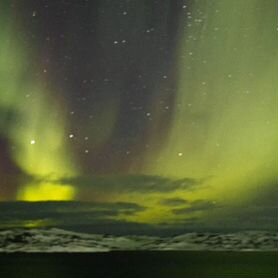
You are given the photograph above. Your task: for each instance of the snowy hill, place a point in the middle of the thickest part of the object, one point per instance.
(57, 240)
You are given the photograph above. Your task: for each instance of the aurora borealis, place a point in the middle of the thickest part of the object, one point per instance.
(165, 111)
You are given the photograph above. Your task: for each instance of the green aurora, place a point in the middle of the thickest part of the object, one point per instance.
(220, 133)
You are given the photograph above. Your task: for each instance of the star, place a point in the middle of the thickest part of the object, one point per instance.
(33, 142)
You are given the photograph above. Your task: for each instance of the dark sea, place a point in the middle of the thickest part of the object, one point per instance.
(143, 264)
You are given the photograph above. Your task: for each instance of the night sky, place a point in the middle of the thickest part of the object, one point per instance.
(139, 112)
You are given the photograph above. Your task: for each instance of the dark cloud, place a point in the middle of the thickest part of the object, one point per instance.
(262, 215)
(259, 211)
(173, 202)
(266, 193)
(198, 205)
(132, 183)
(64, 213)
(104, 217)
(245, 217)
